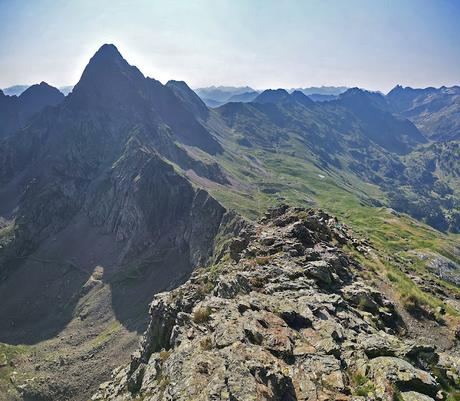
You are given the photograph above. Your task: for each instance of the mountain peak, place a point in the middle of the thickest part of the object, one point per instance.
(42, 87)
(300, 97)
(272, 96)
(107, 79)
(353, 92)
(189, 98)
(108, 50)
(396, 90)
(37, 96)
(363, 98)
(107, 54)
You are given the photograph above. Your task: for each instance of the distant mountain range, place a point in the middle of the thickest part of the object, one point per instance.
(17, 90)
(217, 96)
(435, 111)
(322, 90)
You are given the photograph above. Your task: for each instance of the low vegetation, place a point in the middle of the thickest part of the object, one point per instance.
(202, 314)
(361, 384)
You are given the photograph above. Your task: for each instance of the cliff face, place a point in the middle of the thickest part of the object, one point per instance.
(96, 209)
(285, 317)
(87, 263)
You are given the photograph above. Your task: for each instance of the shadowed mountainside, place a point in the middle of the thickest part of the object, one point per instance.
(15, 111)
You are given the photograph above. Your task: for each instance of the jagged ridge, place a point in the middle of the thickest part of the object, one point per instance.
(286, 317)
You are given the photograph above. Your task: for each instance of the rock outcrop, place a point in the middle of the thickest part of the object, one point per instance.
(284, 315)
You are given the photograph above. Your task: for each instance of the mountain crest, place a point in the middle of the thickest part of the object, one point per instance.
(302, 98)
(189, 98)
(108, 50)
(279, 321)
(272, 96)
(107, 80)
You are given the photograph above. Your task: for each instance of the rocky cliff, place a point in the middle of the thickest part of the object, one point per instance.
(285, 315)
(96, 215)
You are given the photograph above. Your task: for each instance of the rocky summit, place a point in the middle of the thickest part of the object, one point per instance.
(284, 313)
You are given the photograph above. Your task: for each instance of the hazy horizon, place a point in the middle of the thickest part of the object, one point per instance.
(261, 44)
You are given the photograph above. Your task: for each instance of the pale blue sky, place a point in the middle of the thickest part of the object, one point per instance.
(262, 43)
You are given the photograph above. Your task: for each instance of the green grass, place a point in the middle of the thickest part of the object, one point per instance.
(301, 182)
(362, 386)
(105, 335)
(9, 355)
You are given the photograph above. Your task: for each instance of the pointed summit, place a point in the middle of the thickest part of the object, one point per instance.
(107, 80)
(302, 98)
(190, 99)
(398, 89)
(108, 50)
(360, 98)
(108, 59)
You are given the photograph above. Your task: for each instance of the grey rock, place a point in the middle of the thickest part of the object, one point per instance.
(405, 376)
(273, 333)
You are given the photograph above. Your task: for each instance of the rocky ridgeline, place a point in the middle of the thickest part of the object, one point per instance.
(283, 316)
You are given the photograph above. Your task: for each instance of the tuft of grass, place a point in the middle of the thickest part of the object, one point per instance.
(302, 215)
(262, 260)
(205, 288)
(206, 344)
(202, 315)
(164, 355)
(258, 261)
(362, 385)
(256, 282)
(397, 396)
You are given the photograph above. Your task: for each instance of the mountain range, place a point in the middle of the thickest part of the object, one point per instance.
(126, 186)
(217, 96)
(435, 111)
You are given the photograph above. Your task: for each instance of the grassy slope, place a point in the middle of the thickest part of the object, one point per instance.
(296, 178)
(63, 361)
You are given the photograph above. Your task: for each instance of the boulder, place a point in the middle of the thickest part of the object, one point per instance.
(385, 371)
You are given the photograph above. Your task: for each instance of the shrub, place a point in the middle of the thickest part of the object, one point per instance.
(362, 385)
(206, 344)
(201, 315)
(164, 355)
